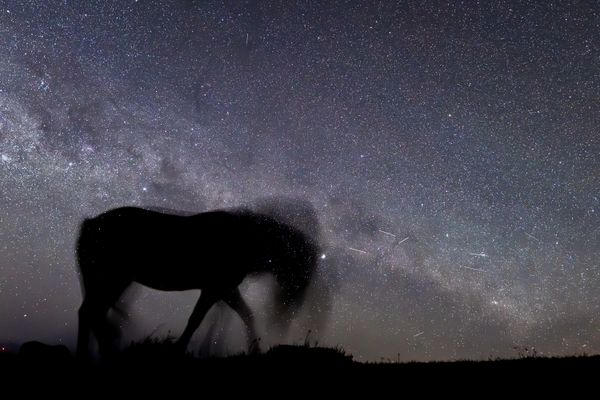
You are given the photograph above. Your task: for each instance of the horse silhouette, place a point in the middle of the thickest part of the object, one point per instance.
(212, 251)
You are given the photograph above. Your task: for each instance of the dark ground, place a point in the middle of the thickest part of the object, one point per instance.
(152, 366)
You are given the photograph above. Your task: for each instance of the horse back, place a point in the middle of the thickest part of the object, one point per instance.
(173, 252)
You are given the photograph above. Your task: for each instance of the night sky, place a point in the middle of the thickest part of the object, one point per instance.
(450, 149)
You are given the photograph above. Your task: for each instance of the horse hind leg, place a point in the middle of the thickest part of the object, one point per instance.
(239, 305)
(84, 329)
(93, 320)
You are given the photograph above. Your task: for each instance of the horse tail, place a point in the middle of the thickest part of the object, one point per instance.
(84, 250)
(91, 254)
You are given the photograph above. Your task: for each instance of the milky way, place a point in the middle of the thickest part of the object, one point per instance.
(450, 150)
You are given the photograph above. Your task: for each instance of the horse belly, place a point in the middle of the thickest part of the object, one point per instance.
(180, 262)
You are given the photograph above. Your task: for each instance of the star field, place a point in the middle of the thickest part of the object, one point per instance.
(449, 148)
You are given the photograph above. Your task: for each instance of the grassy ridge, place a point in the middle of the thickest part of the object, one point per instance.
(154, 360)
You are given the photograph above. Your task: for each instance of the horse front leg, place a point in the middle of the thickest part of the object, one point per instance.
(205, 302)
(239, 305)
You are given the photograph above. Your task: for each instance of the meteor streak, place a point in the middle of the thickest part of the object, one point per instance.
(386, 233)
(357, 250)
(403, 240)
(478, 254)
(473, 269)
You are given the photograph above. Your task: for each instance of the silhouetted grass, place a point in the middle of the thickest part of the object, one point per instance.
(156, 360)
